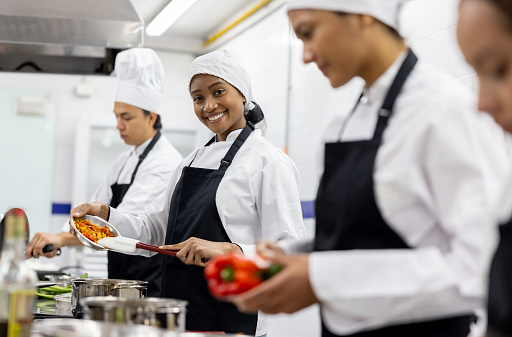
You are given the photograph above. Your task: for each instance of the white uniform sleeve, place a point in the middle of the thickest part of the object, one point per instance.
(103, 193)
(151, 226)
(146, 187)
(455, 180)
(278, 203)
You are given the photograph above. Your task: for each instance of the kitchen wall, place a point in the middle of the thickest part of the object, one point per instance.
(274, 58)
(68, 108)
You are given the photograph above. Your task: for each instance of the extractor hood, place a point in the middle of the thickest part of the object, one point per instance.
(66, 36)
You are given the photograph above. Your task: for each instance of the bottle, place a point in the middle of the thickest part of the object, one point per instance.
(17, 280)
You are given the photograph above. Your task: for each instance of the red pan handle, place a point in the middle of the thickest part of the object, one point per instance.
(152, 248)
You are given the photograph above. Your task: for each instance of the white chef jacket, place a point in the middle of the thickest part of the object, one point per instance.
(258, 198)
(151, 180)
(436, 178)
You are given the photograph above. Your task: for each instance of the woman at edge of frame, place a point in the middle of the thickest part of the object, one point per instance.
(404, 231)
(485, 36)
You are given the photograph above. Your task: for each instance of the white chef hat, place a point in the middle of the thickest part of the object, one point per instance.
(141, 79)
(386, 11)
(226, 65)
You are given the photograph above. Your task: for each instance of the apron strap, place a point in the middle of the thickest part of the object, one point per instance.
(387, 108)
(237, 144)
(145, 153)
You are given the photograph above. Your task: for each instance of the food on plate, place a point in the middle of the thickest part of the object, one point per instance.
(234, 273)
(91, 231)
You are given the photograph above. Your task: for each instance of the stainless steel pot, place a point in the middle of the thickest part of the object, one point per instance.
(83, 288)
(63, 304)
(158, 312)
(83, 328)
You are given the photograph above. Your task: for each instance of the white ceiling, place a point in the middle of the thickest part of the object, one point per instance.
(203, 19)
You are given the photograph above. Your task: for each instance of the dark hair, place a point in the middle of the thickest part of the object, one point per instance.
(255, 115)
(158, 122)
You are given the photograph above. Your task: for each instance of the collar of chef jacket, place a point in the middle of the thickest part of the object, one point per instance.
(376, 93)
(140, 149)
(231, 136)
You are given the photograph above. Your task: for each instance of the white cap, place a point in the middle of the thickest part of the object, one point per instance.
(386, 11)
(224, 64)
(141, 79)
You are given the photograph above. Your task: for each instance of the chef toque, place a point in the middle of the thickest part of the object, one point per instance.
(224, 64)
(386, 11)
(141, 79)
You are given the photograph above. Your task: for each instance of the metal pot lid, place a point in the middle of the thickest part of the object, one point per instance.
(107, 281)
(156, 302)
(86, 328)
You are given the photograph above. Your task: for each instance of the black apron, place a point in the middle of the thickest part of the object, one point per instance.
(499, 306)
(193, 213)
(347, 216)
(131, 267)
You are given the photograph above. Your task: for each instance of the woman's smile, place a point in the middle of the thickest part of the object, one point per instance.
(214, 118)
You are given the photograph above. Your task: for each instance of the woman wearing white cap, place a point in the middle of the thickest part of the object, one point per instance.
(404, 234)
(485, 36)
(138, 175)
(237, 189)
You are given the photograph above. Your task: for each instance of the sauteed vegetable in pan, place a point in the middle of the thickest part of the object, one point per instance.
(91, 231)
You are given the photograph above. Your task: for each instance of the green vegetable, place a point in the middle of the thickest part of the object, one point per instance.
(86, 275)
(49, 292)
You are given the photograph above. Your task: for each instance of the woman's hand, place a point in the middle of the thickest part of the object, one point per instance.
(93, 208)
(194, 250)
(288, 291)
(269, 249)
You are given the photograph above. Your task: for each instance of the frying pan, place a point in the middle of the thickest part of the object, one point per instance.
(2, 227)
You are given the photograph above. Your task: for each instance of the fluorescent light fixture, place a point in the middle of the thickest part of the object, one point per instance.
(168, 16)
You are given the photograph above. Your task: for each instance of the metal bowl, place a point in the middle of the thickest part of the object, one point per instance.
(85, 328)
(165, 313)
(97, 221)
(83, 288)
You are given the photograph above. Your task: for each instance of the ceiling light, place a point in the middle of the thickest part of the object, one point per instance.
(168, 16)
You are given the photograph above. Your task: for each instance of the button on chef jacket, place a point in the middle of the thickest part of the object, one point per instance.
(258, 198)
(436, 178)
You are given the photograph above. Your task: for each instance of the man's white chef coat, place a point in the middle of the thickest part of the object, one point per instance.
(151, 180)
(436, 177)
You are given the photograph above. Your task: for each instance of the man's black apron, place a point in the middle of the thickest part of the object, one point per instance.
(131, 267)
(347, 216)
(193, 213)
(499, 307)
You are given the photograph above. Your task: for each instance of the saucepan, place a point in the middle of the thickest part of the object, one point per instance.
(83, 288)
(165, 313)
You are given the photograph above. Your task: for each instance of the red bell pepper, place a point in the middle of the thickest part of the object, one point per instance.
(233, 273)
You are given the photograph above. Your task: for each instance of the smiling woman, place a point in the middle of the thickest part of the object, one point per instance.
(224, 197)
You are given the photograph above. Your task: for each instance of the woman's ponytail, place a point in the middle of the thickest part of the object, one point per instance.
(255, 115)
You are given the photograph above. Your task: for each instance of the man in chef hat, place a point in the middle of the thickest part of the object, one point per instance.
(404, 232)
(140, 174)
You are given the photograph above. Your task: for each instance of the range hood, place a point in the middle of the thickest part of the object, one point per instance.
(66, 36)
